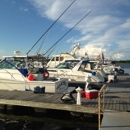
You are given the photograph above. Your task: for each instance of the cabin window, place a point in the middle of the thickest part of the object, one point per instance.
(82, 67)
(92, 65)
(85, 68)
(57, 58)
(61, 58)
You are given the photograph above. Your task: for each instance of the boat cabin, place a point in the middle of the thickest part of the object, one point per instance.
(84, 65)
(57, 59)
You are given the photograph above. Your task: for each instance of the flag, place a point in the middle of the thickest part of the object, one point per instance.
(102, 57)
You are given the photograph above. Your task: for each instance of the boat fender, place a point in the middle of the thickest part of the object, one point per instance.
(45, 74)
(31, 77)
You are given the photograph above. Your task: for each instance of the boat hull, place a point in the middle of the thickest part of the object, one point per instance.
(11, 79)
(58, 86)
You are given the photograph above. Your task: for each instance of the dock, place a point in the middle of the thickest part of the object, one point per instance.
(115, 120)
(117, 110)
(118, 98)
(46, 101)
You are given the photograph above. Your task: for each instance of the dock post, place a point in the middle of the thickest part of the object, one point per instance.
(5, 109)
(79, 90)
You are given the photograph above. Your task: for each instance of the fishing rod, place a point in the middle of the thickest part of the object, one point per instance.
(66, 33)
(41, 45)
(50, 27)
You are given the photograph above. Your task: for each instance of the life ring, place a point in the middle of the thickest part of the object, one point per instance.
(45, 74)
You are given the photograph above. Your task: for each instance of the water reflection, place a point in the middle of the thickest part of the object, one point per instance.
(26, 118)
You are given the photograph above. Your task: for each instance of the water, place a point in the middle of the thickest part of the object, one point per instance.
(127, 70)
(18, 121)
(126, 67)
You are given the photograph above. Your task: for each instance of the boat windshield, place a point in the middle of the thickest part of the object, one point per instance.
(68, 64)
(12, 63)
(63, 66)
(6, 65)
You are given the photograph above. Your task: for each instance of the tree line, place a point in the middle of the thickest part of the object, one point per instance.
(122, 61)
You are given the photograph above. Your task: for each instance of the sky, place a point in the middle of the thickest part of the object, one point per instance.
(24, 26)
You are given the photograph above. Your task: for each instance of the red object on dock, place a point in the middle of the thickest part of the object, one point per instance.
(91, 94)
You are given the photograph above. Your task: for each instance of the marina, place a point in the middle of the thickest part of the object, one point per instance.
(75, 76)
(28, 88)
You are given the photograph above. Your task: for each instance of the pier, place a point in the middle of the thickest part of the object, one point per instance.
(46, 101)
(118, 98)
(117, 106)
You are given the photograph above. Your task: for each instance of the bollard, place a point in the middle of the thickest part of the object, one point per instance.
(79, 90)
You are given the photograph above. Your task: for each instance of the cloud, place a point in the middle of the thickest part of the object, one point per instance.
(23, 9)
(49, 8)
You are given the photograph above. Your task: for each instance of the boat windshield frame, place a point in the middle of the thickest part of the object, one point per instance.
(68, 64)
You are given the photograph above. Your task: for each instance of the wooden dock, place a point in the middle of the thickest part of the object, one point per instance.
(46, 101)
(116, 115)
(115, 99)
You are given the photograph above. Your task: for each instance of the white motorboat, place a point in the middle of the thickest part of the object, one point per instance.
(57, 59)
(77, 70)
(14, 75)
(109, 66)
(106, 68)
(112, 68)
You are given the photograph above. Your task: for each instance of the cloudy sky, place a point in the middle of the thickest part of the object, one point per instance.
(106, 28)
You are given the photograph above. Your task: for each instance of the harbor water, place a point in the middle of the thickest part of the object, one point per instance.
(21, 118)
(126, 68)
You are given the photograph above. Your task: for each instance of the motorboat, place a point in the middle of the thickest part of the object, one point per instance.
(108, 65)
(24, 73)
(112, 68)
(77, 70)
(108, 69)
(60, 58)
